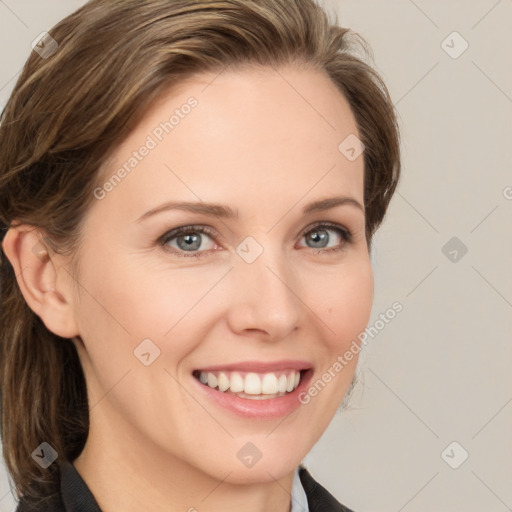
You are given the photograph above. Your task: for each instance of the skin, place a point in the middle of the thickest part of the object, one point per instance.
(267, 149)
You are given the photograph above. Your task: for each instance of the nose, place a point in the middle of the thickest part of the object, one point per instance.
(265, 297)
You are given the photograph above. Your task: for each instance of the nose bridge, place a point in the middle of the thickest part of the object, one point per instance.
(264, 297)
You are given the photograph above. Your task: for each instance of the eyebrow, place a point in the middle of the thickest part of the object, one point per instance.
(225, 212)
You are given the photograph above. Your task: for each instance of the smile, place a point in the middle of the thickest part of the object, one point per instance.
(251, 385)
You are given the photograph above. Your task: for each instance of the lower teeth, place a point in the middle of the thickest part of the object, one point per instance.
(258, 397)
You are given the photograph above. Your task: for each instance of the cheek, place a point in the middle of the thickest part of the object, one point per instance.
(346, 302)
(135, 299)
(123, 304)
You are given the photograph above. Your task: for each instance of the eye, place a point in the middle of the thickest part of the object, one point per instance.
(189, 239)
(319, 238)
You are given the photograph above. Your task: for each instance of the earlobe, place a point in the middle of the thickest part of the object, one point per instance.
(36, 268)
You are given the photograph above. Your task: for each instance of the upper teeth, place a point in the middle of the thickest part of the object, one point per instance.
(252, 383)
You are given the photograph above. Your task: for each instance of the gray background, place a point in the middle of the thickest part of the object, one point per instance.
(440, 371)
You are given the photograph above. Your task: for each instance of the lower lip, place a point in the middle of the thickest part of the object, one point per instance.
(270, 408)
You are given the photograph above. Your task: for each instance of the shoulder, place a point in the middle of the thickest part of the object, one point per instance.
(319, 498)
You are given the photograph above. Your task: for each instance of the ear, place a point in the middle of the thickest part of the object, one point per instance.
(44, 283)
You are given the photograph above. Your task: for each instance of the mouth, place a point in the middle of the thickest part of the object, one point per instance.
(253, 385)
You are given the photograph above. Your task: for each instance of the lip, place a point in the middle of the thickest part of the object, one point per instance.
(259, 366)
(271, 408)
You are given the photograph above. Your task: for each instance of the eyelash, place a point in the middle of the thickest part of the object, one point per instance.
(345, 234)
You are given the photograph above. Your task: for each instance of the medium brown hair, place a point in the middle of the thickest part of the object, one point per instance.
(68, 113)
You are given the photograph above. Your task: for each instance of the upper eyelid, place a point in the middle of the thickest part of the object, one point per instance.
(328, 224)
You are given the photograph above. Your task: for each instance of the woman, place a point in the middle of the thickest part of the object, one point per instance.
(189, 191)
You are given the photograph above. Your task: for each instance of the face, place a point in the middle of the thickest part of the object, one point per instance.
(274, 287)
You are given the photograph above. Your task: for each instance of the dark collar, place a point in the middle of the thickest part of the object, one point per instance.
(76, 497)
(319, 498)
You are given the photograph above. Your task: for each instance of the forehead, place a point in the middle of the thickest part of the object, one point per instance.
(261, 132)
